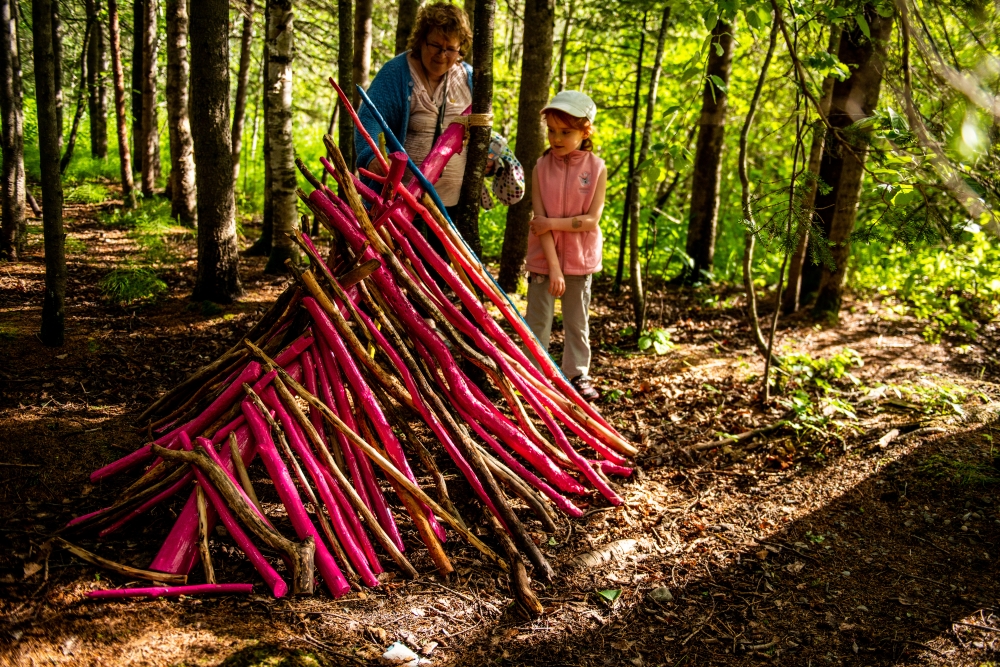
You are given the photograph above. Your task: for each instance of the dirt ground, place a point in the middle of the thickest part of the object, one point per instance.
(837, 544)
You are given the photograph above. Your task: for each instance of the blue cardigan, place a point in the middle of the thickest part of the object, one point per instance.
(390, 92)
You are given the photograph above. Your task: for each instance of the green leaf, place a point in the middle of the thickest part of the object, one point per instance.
(645, 342)
(660, 347)
(719, 83)
(672, 109)
(610, 594)
(885, 12)
(863, 25)
(752, 19)
(552, 542)
(718, 49)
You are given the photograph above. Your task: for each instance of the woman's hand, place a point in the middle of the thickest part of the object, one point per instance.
(540, 225)
(557, 284)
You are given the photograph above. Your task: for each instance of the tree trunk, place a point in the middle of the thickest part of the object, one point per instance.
(704, 213)
(80, 99)
(12, 117)
(284, 200)
(470, 11)
(843, 166)
(183, 197)
(242, 83)
(345, 63)
(150, 134)
(53, 303)
(635, 270)
(536, 73)
(362, 55)
(790, 299)
(405, 22)
(97, 91)
(121, 121)
(630, 192)
(262, 246)
(137, 32)
(218, 257)
(57, 58)
(478, 147)
(561, 85)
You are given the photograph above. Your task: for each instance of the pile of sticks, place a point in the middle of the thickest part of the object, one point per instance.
(333, 387)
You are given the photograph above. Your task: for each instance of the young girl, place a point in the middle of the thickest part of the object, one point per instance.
(565, 244)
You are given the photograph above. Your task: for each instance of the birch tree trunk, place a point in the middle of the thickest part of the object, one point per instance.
(121, 122)
(150, 135)
(362, 56)
(12, 118)
(67, 155)
(630, 192)
(467, 218)
(704, 212)
(844, 167)
(405, 21)
(218, 257)
(53, 302)
(242, 83)
(183, 197)
(635, 269)
(281, 52)
(536, 73)
(262, 246)
(137, 32)
(97, 90)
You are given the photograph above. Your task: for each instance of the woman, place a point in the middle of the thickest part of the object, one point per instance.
(421, 91)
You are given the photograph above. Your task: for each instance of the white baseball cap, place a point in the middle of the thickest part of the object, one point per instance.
(574, 103)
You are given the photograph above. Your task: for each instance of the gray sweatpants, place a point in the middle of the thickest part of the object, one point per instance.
(576, 320)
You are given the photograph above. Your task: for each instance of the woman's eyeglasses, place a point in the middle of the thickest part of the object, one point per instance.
(449, 52)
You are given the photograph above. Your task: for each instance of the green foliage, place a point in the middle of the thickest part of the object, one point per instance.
(656, 341)
(86, 193)
(802, 370)
(151, 227)
(965, 473)
(131, 286)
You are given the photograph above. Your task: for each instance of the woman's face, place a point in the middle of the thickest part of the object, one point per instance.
(439, 52)
(563, 139)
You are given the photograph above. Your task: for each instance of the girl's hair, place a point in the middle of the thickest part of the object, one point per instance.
(577, 123)
(450, 19)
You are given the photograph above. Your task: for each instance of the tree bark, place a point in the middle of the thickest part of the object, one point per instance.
(183, 197)
(630, 192)
(362, 56)
(67, 156)
(790, 299)
(97, 91)
(561, 85)
(150, 134)
(470, 11)
(53, 303)
(345, 64)
(536, 73)
(57, 58)
(635, 269)
(121, 121)
(404, 23)
(242, 83)
(467, 218)
(704, 213)
(281, 52)
(137, 32)
(12, 117)
(843, 166)
(218, 259)
(262, 246)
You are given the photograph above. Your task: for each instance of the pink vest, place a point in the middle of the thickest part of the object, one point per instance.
(566, 186)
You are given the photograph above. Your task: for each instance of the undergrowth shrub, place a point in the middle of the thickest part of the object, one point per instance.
(131, 286)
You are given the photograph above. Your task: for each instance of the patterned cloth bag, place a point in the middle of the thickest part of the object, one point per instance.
(507, 174)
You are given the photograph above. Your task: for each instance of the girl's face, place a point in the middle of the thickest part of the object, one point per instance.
(564, 139)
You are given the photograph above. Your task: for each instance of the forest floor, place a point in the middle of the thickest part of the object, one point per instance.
(834, 542)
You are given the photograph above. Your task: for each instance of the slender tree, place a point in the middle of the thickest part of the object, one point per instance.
(57, 59)
(262, 246)
(150, 134)
(242, 84)
(12, 118)
(704, 211)
(630, 192)
(218, 258)
(81, 98)
(635, 270)
(121, 120)
(362, 56)
(567, 21)
(843, 167)
(97, 90)
(138, 13)
(183, 199)
(406, 18)
(53, 303)
(536, 73)
(345, 64)
(281, 52)
(480, 129)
